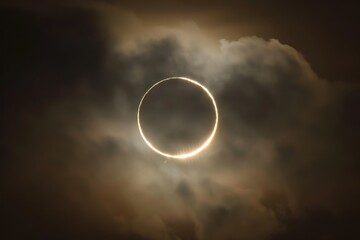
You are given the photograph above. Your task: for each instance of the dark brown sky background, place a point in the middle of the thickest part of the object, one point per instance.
(283, 165)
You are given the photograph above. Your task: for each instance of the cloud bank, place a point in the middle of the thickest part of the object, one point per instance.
(283, 164)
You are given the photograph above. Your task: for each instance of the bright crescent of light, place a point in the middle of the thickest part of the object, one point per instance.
(199, 149)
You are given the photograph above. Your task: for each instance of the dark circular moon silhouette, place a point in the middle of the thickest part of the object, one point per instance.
(173, 101)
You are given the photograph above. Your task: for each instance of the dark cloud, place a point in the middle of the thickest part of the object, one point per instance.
(283, 164)
(323, 32)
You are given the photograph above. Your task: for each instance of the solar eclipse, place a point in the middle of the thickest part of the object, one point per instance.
(185, 153)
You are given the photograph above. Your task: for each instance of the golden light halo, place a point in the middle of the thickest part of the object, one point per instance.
(207, 141)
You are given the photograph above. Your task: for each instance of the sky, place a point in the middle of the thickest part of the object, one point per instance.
(284, 163)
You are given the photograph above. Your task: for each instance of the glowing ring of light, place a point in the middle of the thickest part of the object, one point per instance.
(206, 142)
